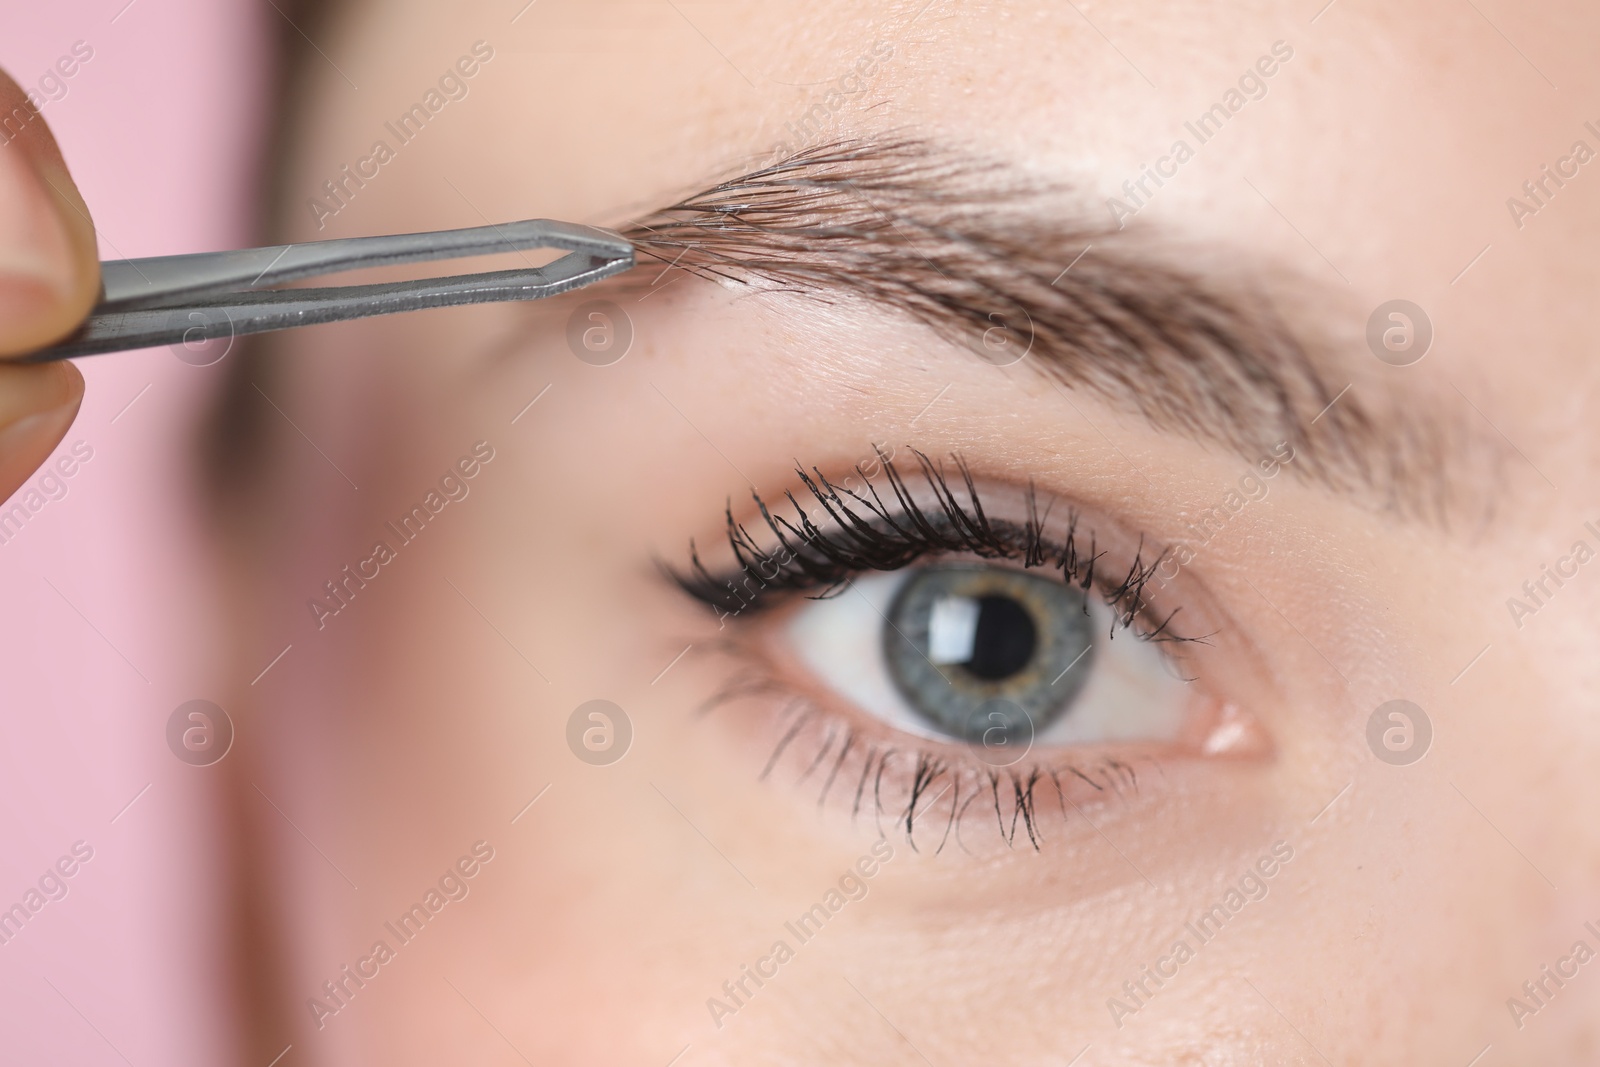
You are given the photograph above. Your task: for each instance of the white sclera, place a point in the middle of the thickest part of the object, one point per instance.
(1132, 694)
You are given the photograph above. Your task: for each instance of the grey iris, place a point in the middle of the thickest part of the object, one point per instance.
(977, 649)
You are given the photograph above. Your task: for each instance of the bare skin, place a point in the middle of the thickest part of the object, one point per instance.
(429, 711)
(49, 273)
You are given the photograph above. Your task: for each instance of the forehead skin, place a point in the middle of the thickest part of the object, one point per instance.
(1377, 166)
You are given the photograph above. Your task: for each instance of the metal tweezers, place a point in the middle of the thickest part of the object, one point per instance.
(195, 298)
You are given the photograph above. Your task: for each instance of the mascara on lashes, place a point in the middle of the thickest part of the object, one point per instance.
(868, 534)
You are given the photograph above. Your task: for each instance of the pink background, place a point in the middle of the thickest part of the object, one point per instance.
(160, 129)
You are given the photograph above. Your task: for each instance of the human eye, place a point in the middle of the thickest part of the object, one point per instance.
(987, 654)
(925, 634)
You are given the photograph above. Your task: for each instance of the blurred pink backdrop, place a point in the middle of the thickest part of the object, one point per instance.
(105, 626)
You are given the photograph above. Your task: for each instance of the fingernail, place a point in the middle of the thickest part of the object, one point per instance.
(24, 432)
(43, 390)
(28, 442)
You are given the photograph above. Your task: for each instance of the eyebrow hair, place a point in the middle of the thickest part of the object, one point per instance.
(959, 245)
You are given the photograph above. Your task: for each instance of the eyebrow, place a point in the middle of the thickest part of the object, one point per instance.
(961, 246)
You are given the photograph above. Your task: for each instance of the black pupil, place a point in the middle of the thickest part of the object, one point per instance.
(1005, 639)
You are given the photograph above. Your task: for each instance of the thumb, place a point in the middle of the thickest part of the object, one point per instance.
(49, 269)
(49, 278)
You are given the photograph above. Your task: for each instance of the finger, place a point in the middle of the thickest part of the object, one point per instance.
(49, 268)
(37, 404)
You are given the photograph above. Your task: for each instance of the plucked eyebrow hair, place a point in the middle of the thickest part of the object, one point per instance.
(960, 245)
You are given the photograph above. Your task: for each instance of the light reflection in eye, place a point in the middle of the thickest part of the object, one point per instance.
(935, 650)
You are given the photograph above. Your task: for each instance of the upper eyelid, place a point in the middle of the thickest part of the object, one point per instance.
(954, 240)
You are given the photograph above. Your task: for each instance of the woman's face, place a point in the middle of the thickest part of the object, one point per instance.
(943, 816)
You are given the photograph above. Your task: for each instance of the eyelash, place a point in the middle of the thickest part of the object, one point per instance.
(869, 535)
(874, 536)
(1109, 777)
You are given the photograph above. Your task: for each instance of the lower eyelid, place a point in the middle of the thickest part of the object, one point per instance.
(935, 796)
(795, 740)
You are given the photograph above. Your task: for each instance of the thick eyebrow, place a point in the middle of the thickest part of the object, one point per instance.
(961, 247)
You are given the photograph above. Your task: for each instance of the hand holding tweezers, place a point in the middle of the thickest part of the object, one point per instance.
(194, 298)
